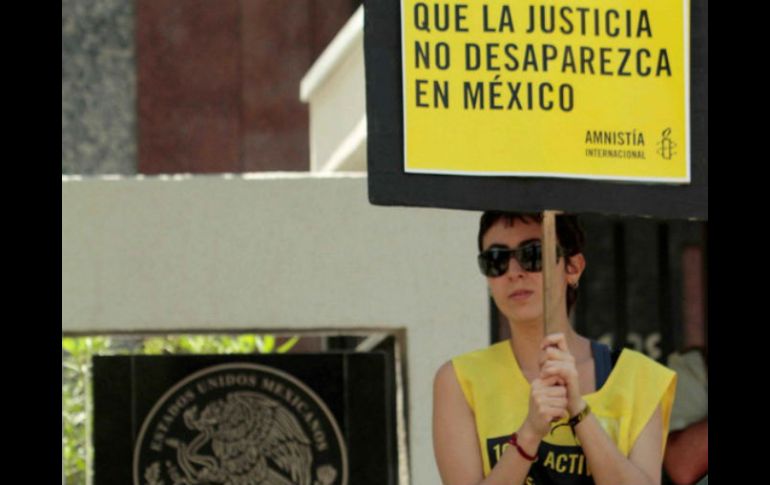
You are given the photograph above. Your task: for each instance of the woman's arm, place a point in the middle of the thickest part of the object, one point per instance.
(608, 465)
(454, 432)
(455, 440)
(687, 453)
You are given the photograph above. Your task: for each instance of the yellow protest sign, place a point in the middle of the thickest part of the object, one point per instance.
(576, 89)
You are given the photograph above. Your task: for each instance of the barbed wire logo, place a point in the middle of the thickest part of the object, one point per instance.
(666, 145)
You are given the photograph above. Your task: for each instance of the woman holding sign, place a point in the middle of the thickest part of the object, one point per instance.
(554, 410)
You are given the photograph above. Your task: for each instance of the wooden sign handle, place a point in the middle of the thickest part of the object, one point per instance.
(549, 263)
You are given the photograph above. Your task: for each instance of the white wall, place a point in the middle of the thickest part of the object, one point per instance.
(275, 251)
(335, 90)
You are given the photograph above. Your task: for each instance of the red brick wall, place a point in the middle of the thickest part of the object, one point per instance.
(218, 82)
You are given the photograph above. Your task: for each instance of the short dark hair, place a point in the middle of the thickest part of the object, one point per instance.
(569, 234)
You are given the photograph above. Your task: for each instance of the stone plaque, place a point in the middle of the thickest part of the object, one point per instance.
(303, 419)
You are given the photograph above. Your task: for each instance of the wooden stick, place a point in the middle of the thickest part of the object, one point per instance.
(549, 263)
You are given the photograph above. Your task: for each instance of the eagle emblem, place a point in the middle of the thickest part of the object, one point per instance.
(239, 423)
(245, 438)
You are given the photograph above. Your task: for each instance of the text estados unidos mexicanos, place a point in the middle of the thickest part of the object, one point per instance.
(511, 57)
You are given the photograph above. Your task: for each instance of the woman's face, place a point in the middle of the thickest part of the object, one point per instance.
(518, 293)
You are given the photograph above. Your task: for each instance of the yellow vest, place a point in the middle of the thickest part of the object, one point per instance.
(498, 394)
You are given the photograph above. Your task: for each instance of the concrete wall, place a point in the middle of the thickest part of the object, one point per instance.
(275, 251)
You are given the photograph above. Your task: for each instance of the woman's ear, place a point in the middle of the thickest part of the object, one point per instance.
(575, 265)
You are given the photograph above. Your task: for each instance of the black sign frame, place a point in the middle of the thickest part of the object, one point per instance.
(390, 185)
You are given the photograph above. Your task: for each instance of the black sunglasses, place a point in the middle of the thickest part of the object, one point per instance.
(494, 261)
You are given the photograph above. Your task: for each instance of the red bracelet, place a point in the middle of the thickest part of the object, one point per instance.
(513, 442)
